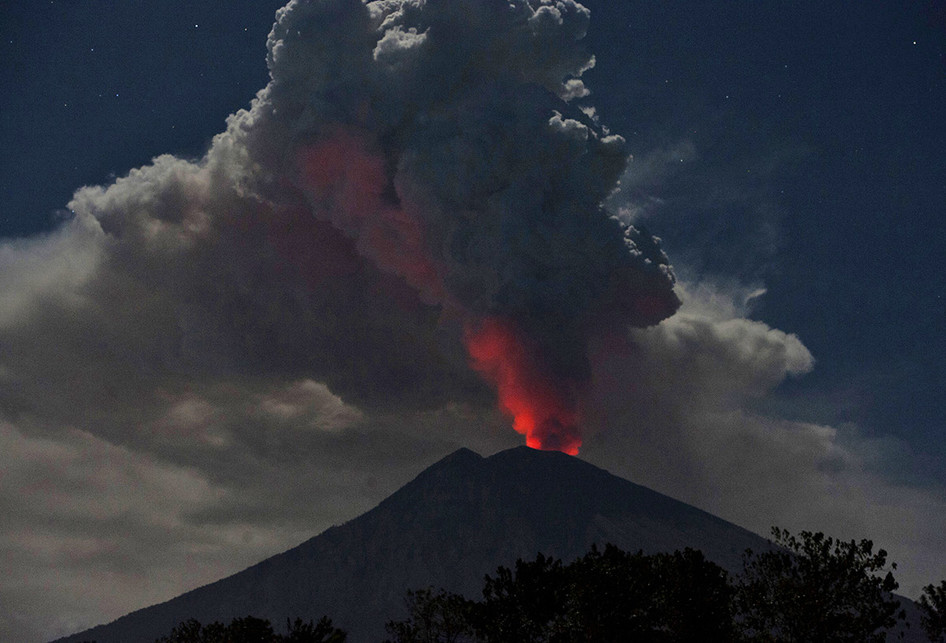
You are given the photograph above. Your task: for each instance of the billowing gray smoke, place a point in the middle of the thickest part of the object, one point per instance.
(443, 137)
(417, 176)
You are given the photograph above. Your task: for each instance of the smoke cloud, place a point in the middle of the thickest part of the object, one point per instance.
(440, 138)
(412, 174)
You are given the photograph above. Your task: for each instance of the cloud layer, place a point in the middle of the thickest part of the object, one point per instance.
(696, 427)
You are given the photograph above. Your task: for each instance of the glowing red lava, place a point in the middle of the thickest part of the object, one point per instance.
(540, 407)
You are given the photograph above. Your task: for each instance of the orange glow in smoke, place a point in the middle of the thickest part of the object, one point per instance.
(346, 181)
(537, 404)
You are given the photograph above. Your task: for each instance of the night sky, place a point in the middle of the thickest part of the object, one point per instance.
(817, 172)
(791, 159)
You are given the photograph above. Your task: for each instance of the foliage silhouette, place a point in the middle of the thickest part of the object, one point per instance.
(812, 588)
(602, 596)
(433, 617)
(933, 606)
(250, 629)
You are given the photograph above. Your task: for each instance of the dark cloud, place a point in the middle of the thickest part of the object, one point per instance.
(386, 192)
(385, 183)
(440, 137)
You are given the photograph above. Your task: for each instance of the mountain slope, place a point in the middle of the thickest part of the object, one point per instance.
(452, 524)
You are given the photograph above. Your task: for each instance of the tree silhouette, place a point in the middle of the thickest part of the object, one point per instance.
(933, 606)
(813, 588)
(250, 629)
(433, 617)
(663, 597)
(602, 597)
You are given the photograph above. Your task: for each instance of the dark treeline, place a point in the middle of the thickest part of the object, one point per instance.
(808, 588)
(255, 630)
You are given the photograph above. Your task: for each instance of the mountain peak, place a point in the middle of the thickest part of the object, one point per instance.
(456, 521)
(460, 458)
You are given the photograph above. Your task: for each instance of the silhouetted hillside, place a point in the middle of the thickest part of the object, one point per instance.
(452, 524)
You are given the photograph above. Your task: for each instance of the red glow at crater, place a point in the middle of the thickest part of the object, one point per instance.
(540, 407)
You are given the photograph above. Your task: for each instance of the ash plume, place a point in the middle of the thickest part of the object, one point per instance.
(419, 184)
(443, 139)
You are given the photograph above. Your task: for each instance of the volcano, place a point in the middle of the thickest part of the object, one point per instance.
(455, 522)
